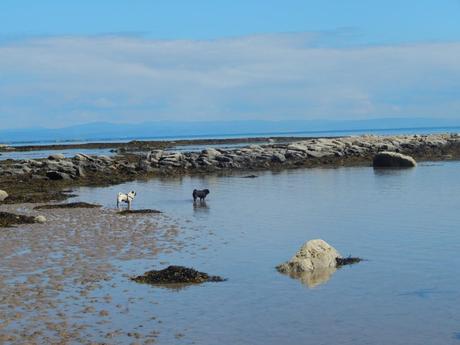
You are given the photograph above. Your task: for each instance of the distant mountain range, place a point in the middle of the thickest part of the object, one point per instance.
(101, 131)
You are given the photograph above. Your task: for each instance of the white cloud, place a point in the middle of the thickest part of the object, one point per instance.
(64, 80)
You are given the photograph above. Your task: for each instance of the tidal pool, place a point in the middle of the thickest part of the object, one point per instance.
(405, 223)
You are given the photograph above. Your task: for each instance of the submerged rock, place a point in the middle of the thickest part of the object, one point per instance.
(388, 159)
(176, 275)
(313, 255)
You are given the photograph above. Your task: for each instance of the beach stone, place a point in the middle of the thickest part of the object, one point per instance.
(81, 157)
(3, 195)
(388, 159)
(155, 155)
(278, 157)
(56, 156)
(211, 153)
(313, 255)
(40, 219)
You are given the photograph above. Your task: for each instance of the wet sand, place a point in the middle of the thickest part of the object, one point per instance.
(58, 280)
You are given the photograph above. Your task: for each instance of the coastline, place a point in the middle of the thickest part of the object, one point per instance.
(49, 179)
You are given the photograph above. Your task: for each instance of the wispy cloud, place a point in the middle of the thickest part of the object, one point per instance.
(58, 81)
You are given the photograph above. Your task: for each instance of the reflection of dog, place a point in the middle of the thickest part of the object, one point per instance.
(200, 194)
(126, 198)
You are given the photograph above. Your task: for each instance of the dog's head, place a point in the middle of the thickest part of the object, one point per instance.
(206, 191)
(132, 194)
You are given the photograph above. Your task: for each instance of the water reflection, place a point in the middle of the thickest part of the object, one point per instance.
(200, 206)
(315, 278)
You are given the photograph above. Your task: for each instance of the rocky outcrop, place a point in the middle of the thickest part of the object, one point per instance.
(302, 153)
(313, 255)
(393, 160)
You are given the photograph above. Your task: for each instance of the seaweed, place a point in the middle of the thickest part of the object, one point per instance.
(176, 275)
(8, 219)
(67, 205)
(347, 261)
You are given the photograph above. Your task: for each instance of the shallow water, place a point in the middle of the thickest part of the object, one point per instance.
(45, 153)
(404, 222)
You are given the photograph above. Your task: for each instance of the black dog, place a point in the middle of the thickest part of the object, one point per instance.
(200, 194)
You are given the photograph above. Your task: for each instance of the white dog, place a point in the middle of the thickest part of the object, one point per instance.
(127, 198)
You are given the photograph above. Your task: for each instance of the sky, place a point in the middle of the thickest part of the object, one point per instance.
(73, 62)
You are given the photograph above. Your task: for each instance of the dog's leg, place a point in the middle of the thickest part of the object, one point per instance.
(129, 205)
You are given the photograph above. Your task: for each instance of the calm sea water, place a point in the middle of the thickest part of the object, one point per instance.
(405, 223)
(72, 152)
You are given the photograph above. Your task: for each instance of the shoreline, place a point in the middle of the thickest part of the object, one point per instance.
(43, 180)
(144, 145)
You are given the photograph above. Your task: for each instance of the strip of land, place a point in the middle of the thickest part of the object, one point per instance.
(43, 180)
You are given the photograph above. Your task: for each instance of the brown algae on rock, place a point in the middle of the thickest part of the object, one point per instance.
(176, 275)
(67, 205)
(9, 219)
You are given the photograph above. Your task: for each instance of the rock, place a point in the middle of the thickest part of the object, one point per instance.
(313, 255)
(56, 156)
(278, 158)
(224, 159)
(155, 155)
(393, 160)
(3, 195)
(40, 219)
(9, 219)
(57, 175)
(82, 157)
(210, 153)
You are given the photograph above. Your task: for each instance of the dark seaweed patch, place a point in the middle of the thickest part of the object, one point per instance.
(176, 275)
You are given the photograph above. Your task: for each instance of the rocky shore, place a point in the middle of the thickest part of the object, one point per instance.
(56, 172)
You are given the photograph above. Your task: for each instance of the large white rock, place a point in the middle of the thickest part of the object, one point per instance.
(3, 195)
(313, 255)
(388, 159)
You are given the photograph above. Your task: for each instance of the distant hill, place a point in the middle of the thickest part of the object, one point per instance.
(102, 131)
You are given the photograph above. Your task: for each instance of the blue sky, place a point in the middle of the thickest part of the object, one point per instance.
(69, 62)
